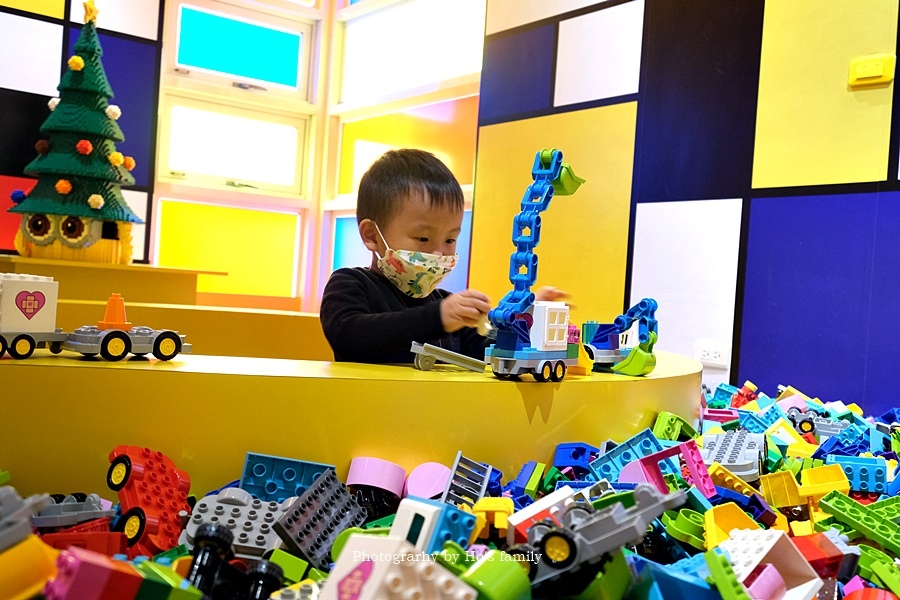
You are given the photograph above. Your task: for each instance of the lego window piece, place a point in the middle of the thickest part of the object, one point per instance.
(135, 17)
(606, 44)
(235, 148)
(34, 47)
(448, 38)
(234, 47)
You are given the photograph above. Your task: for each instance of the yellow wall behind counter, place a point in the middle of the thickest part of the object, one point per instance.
(584, 237)
(811, 128)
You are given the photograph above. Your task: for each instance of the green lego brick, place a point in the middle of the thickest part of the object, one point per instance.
(685, 526)
(611, 584)
(4, 477)
(172, 554)
(731, 425)
(895, 441)
(888, 508)
(162, 582)
(830, 523)
(340, 540)
(294, 567)
(572, 350)
(717, 404)
(382, 522)
(551, 477)
(316, 575)
(774, 458)
(670, 426)
(625, 498)
(534, 482)
(723, 577)
(454, 558)
(868, 557)
(872, 525)
(888, 576)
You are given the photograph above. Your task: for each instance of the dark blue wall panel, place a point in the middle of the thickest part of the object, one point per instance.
(517, 76)
(131, 69)
(807, 303)
(697, 102)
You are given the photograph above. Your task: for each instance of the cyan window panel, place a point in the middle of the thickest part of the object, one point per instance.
(685, 256)
(517, 76)
(883, 327)
(506, 14)
(21, 117)
(138, 202)
(349, 250)
(9, 222)
(697, 105)
(139, 18)
(30, 53)
(806, 306)
(598, 55)
(131, 69)
(243, 50)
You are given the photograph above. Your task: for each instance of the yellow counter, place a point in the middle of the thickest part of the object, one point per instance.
(61, 415)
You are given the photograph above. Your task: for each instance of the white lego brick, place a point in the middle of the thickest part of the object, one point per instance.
(550, 330)
(388, 568)
(555, 500)
(27, 303)
(403, 522)
(749, 548)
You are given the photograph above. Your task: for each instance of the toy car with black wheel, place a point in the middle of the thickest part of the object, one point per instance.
(116, 344)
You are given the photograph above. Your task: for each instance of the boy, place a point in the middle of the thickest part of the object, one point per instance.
(409, 210)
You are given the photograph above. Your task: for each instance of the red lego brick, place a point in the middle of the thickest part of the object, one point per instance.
(107, 543)
(97, 525)
(822, 555)
(152, 491)
(809, 437)
(865, 497)
(870, 594)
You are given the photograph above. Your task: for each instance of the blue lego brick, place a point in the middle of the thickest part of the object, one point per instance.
(522, 501)
(890, 417)
(495, 483)
(878, 441)
(849, 434)
(575, 485)
(751, 422)
(695, 565)
(274, 479)
(454, 524)
(525, 354)
(517, 486)
(622, 487)
(696, 501)
(865, 474)
(574, 454)
(724, 393)
(764, 401)
(609, 465)
(770, 416)
(681, 586)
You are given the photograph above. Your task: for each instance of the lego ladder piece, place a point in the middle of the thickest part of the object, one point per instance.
(468, 482)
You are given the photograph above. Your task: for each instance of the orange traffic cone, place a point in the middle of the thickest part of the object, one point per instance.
(115, 315)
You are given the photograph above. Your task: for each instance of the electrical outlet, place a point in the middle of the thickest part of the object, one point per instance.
(712, 353)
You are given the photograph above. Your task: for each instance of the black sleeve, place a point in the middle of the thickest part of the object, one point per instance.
(472, 344)
(361, 329)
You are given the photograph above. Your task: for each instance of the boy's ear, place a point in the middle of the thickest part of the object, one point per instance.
(369, 234)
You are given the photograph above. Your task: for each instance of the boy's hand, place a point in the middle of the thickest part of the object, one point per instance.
(550, 294)
(464, 309)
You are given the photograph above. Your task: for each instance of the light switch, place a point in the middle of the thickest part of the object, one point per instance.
(875, 69)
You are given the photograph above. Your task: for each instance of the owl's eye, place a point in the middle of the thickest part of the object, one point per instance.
(77, 232)
(72, 228)
(39, 229)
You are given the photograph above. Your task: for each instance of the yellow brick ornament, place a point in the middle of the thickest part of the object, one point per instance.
(96, 201)
(90, 11)
(116, 159)
(76, 63)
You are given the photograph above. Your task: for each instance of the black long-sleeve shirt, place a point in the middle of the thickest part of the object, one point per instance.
(367, 319)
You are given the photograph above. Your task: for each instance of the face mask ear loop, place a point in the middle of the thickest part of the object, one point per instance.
(382, 239)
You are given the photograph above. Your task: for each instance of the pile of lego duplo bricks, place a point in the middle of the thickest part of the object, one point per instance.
(785, 497)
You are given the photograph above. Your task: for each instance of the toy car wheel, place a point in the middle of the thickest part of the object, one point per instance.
(22, 347)
(79, 496)
(115, 346)
(3, 346)
(558, 549)
(265, 578)
(575, 514)
(216, 537)
(424, 363)
(559, 371)
(544, 371)
(119, 472)
(530, 566)
(132, 524)
(167, 345)
(55, 347)
(500, 375)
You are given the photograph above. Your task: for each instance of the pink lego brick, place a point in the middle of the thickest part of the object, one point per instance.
(854, 584)
(427, 480)
(792, 402)
(719, 415)
(86, 575)
(765, 583)
(633, 472)
(693, 460)
(378, 473)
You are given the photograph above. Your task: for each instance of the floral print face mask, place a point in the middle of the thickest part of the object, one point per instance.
(416, 274)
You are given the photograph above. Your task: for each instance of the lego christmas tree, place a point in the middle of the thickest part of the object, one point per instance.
(76, 210)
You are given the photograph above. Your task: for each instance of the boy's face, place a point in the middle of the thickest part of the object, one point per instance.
(418, 226)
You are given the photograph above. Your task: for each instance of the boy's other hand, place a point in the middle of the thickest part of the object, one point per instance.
(464, 309)
(550, 294)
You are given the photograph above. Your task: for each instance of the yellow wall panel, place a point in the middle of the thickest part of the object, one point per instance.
(584, 237)
(448, 129)
(256, 248)
(811, 127)
(51, 8)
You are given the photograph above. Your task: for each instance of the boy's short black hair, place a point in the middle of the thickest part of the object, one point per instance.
(399, 174)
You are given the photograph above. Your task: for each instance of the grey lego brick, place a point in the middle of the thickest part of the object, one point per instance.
(741, 452)
(15, 512)
(71, 512)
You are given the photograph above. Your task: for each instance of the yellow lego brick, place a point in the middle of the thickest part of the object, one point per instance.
(492, 511)
(821, 480)
(25, 568)
(855, 409)
(752, 405)
(781, 522)
(722, 477)
(182, 565)
(802, 449)
(801, 528)
(780, 489)
(711, 430)
(721, 519)
(784, 430)
(891, 467)
(790, 391)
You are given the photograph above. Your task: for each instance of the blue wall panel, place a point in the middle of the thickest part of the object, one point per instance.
(131, 69)
(517, 76)
(807, 292)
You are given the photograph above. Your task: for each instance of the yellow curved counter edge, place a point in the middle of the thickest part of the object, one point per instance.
(62, 415)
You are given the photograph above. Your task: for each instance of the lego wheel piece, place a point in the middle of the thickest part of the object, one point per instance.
(544, 371)
(22, 347)
(54, 347)
(167, 345)
(558, 549)
(425, 363)
(526, 561)
(215, 537)
(119, 472)
(132, 524)
(577, 513)
(3, 346)
(559, 371)
(265, 579)
(115, 346)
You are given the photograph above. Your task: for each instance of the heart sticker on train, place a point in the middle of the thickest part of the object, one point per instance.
(30, 303)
